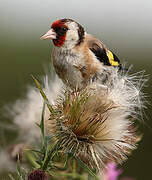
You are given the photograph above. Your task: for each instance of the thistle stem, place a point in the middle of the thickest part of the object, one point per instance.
(74, 166)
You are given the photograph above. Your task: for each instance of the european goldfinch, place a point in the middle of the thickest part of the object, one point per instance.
(78, 57)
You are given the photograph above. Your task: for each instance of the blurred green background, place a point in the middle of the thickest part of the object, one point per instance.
(124, 26)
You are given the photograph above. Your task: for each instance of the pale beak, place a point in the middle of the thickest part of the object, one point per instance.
(51, 34)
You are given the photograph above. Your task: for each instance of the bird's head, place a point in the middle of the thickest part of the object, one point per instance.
(65, 33)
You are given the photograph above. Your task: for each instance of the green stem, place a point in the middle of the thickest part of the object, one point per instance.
(74, 166)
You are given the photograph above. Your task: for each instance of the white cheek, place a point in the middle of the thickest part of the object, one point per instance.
(72, 36)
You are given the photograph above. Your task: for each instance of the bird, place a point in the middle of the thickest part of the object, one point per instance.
(78, 57)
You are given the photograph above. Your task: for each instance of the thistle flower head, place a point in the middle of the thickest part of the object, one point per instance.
(111, 172)
(92, 126)
(37, 175)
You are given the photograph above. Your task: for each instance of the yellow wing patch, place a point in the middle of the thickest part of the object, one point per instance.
(111, 59)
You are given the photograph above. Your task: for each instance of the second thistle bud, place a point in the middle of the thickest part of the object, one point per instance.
(37, 175)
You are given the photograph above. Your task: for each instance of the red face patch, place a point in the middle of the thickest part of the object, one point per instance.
(60, 28)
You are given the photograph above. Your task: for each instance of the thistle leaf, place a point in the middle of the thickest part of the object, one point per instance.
(19, 172)
(84, 166)
(42, 122)
(11, 177)
(43, 94)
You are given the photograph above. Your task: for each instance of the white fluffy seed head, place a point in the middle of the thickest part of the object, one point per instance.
(6, 162)
(93, 127)
(27, 112)
(104, 127)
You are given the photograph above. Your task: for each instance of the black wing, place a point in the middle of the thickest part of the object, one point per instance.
(100, 53)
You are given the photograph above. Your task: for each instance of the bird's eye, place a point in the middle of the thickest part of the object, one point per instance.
(61, 31)
(64, 28)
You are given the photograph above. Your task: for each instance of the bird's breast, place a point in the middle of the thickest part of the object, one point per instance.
(67, 67)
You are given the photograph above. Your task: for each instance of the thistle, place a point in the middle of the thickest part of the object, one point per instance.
(93, 127)
(37, 175)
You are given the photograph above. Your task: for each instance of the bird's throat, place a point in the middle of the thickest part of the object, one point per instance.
(59, 41)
